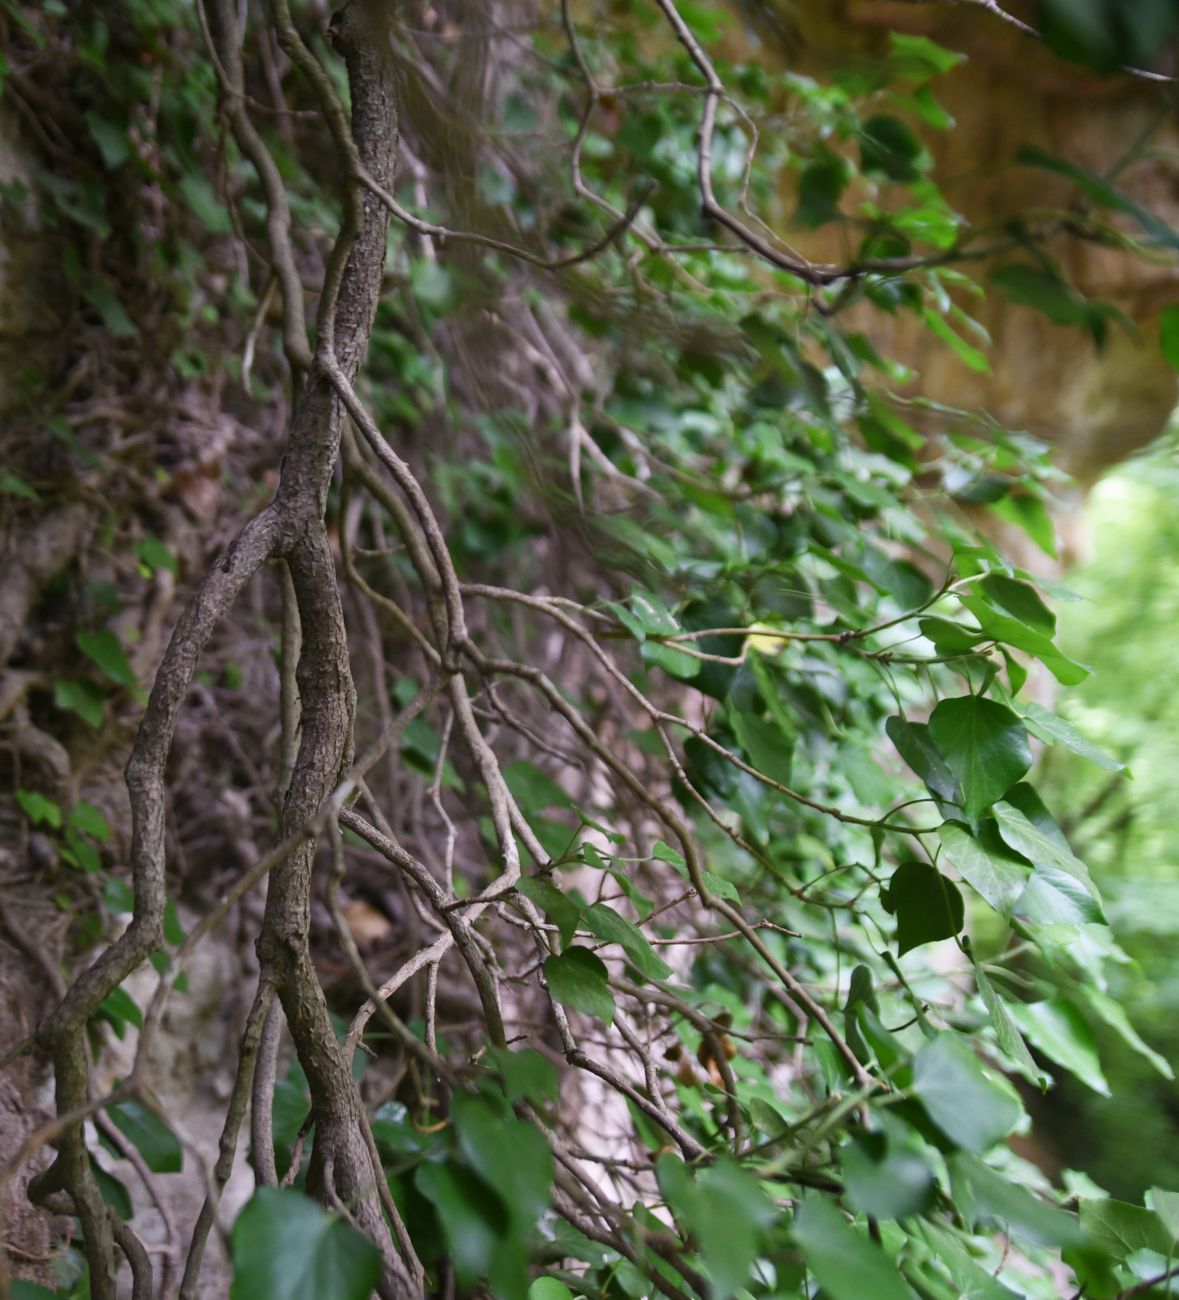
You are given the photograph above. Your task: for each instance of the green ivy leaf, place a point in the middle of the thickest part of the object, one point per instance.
(725, 1209)
(984, 1195)
(1020, 600)
(156, 555)
(889, 149)
(150, 1136)
(1047, 726)
(1169, 334)
(820, 186)
(106, 650)
(508, 1154)
(608, 925)
(111, 139)
(971, 1104)
(549, 1288)
(1059, 1030)
(1121, 1228)
(986, 864)
(1114, 1015)
(83, 698)
(1039, 845)
(86, 818)
(12, 485)
(847, 1265)
(120, 1009)
(286, 1248)
(526, 1074)
(984, 744)
(204, 203)
(578, 979)
(562, 909)
(885, 1179)
(39, 809)
(1007, 1033)
(113, 1191)
(766, 747)
(928, 907)
(916, 746)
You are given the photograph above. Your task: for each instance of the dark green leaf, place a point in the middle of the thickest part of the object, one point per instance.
(888, 148)
(984, 745)
(1169, 334)
(1038, 845)
(1020, 600)
(482, 1241)
(204, 203)
(88, 819)
(150, 1136)
(1007, 1033)
(526, 1074)
(286, 1248)
(21, 1290)
(1047, 726)
(1114, 1015)
(1055, 897)
(110, 308)
(1046, 292)
(509, 1154)
(564, 911)
(12, 485)
(578, 979)
(1100, 190)
(928, 907)
(820, 186)
(766, 747)
(916, 746)
(725, 1209)
(113, 1191)
(1029, 513)
(111, 140)
(120, 1008)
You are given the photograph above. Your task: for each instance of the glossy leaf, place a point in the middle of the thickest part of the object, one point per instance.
(928, 907)
(985, 863)
(985, 746)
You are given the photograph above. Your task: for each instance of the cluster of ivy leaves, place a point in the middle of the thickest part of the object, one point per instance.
(883, 657)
